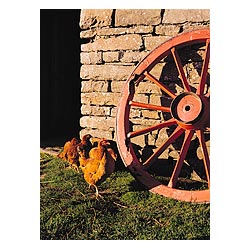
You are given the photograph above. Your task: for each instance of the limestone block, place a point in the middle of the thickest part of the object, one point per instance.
(97, 133)
(98, 122)
(151, 42)
(137, 16)
(174, 16)
(91, 57)
(123, 42)
(95, 110)
(99, 98)
(105, 72)
(95, 18)
(94, 86)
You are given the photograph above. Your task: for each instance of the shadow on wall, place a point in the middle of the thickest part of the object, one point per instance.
(60, 84)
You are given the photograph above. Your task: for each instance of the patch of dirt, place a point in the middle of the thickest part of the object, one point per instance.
(51, 150)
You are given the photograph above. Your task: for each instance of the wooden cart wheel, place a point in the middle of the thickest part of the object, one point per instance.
(183, 125)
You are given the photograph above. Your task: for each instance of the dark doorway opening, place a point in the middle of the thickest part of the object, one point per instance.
(60, 84)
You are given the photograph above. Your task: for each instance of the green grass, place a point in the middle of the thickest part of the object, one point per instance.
(69, 210)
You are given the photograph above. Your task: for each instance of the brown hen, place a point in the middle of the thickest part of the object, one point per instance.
(99, 165)
(66, 148)
(85, 145)
(70, 150)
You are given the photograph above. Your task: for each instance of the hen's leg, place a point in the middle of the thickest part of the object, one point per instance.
(97, 193)
(75, 167)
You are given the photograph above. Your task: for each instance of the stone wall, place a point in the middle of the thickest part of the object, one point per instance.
(113, 42)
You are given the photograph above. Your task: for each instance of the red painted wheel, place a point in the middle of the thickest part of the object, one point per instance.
(172, 108)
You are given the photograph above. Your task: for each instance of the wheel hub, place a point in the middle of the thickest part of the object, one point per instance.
(189, 110)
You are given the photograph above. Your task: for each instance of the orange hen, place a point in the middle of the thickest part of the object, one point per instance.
(99, 165)
(94, 152)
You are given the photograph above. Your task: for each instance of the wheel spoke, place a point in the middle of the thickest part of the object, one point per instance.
(200, 135)
(159, 84)
(185, 146)
(178, 131)
(149, 106)
(165, 124)
(200, 89)
(180, 69)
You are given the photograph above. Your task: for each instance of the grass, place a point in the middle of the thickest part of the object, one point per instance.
(69, 210)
